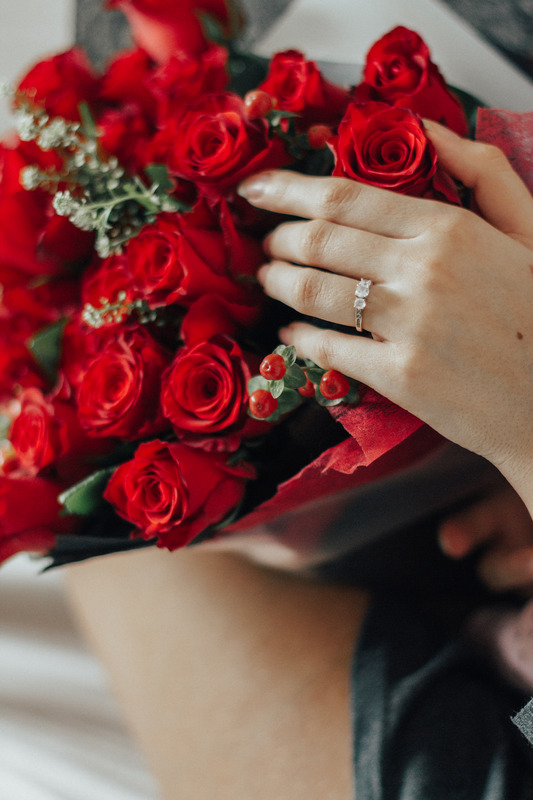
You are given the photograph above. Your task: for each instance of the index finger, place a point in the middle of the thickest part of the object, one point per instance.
(340, 200)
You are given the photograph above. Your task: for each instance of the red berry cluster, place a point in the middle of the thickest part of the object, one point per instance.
(283, 378)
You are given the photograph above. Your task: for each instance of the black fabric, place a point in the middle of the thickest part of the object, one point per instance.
(431, 720)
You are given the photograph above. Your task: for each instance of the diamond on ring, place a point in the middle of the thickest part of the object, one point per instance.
(362, 290)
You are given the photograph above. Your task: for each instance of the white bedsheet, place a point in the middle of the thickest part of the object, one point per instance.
(60, 733)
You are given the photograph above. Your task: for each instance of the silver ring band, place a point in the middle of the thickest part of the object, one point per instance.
(362, 290)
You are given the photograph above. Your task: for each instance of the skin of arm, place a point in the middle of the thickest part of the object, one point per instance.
(233, 678)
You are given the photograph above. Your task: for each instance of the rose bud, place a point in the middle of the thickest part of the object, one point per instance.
(298, 86)
(399, 71)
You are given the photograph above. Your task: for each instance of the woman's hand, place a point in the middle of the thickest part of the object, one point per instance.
(501, 529)
(451, 302)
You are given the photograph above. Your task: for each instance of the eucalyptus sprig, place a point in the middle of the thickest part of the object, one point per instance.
(92, 189)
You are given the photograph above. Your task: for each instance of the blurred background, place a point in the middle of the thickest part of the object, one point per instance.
(28, 30)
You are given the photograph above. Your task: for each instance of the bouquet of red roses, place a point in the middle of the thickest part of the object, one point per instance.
(143, 397)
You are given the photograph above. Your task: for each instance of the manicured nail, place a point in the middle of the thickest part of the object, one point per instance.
(253, 188)
(434, 127)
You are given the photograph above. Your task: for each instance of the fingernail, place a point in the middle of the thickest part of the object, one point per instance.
(434, 127)
(253, 188)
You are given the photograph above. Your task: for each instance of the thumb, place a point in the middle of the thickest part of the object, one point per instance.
(501, 196)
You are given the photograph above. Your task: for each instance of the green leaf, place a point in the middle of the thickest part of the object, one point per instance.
(470, 105)
(295, 377)
(289, 355)
(276, 116)
(257, 382)
(45, 347)
(87, 121)
(288, 401)
(85, 497)
(5, 425)
(325, 401)
(315, 374)
(280, 349)
(158, 173)
(276, 388)
(212, 28)
(353, 394)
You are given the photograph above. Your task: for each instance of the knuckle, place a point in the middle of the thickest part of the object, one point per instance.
(489, 155)
(314, 239)
(449, 223)
(323, 350)
(305, 289)
(410, 369)
(336, 193)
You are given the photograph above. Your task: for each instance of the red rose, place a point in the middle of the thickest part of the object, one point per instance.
(297, 85)
(126, 134)
(30, 515)
(175, 492)
(183, 79)
(61, 83)
(35, 435)
(399, 71)
(127, 122)
(165, 27)
(174, 260)
(204, 390)
(387, 147)
(108, 280)
(79, 345)
(216, 144)
(33, 239)
(126, 81)
(47, 432)
(119, 392)
(211, 315)
(23, 312)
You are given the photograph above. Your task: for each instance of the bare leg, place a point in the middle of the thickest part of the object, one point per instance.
(233, 678)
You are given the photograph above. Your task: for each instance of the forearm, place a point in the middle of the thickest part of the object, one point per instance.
(233, 678)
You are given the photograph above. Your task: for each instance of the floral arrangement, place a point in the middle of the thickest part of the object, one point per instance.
(144, 399)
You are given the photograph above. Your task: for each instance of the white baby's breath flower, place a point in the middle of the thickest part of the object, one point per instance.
(64, 204)
(31, 177)
(84, 218)
(25, 125)
(53, 135)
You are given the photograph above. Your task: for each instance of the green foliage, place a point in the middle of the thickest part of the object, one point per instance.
(158, 174)
(45, 347)
(85, 498)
